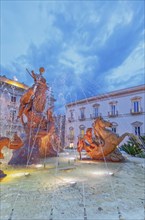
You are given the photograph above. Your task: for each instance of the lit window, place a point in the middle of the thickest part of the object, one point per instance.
(71, 131)
(82, 130)
(71, 145)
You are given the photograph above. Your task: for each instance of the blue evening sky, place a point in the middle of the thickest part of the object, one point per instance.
(86, 47)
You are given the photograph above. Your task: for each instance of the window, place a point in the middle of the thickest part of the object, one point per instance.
(71, 113)
(71, 134)
(82, 111)
(12, 114)
(71, 118)
(71, 131)
(137, 128)
(136, 105)
(82, 130)
(113, 111)
(96, 110)
(71, 145)
(13, 98)
(114, 127)
(82, 114)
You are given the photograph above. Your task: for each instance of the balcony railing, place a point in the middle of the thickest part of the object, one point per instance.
(113, 114)
(135, 112)
(80, 135)
(93, 116)
(81, 118)
(71, 119)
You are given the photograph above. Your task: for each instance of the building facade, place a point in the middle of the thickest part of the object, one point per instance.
(10, 94)
(124, 108)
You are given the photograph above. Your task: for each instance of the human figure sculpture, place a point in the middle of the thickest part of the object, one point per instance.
(87, 142)
(107, 142)
(33, 98)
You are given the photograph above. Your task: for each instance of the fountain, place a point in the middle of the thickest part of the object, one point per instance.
(95, 190)
(40, 139)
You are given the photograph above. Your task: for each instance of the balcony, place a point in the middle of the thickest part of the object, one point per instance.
(113, 114)
(13, 104)
(93, 116)
(70, 137)
(136, 111)
(81, 118)
(71, 119)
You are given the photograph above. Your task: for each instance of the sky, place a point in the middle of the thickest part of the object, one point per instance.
(86, 47)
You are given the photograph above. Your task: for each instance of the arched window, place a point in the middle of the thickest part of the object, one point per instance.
(71, 131)
(82, 130)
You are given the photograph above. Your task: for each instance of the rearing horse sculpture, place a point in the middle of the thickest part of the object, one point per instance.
(106, 147)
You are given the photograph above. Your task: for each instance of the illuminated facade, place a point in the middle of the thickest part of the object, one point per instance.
(124, 108)
(10, 94)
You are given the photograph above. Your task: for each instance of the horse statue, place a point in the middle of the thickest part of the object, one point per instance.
(106, 145)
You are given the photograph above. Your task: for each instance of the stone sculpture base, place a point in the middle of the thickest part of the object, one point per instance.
(29, 153)
(115, 156)
(37, 144)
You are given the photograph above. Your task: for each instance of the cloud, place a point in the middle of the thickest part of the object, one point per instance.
(130, 73)
(86, 48)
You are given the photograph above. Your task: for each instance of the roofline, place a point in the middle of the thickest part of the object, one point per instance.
(14, 83)
(109, 94)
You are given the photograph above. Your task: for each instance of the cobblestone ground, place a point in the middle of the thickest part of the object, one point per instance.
(68, 189)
